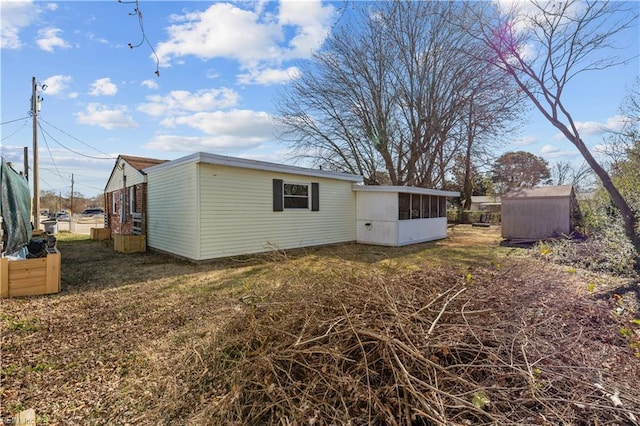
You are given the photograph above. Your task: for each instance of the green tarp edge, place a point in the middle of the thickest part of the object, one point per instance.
(15, 208)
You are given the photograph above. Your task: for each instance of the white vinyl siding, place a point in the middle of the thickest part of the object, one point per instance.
(116, 182)
(396, 217)
(238, 218)
(172, 210)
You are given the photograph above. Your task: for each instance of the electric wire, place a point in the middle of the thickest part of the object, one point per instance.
(44, 138)
(83, 143)
(13, 121)
(138, 13)
(24, 124)
(73, 151)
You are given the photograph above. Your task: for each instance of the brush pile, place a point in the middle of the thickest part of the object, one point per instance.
(425, 348)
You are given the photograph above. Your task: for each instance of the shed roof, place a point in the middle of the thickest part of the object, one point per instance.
(560, 191)
(138, 163)
(221, 160)
(141, 163)
(405, 189)
(485, 199)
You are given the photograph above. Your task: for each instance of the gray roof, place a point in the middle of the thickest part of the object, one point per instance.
(404, 189)
(560, 191)
(485, 199)
(222, 160)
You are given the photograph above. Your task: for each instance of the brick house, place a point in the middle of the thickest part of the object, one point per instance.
(126, 195)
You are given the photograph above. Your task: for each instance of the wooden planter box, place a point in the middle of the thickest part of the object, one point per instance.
(30, 277)
(100, 234)
(129, 243)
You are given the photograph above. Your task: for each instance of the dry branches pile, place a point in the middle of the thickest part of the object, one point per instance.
(430, 348)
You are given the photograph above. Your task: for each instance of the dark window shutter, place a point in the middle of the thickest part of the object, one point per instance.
(315, 196)
(277, 195)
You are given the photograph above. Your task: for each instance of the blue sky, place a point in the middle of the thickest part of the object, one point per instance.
(221, 65)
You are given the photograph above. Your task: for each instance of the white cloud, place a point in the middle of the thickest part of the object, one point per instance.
(269, 76)
(591, 128)
(14, 16)
(150, 84)
(48, 39)
(232, 130)
(200, 143)
(243, 124)
(249, 36)
(311, 20)
(179, 102)
(103, 86)
(107, 118)
(551, 151)
(57, 84)
(525, 140)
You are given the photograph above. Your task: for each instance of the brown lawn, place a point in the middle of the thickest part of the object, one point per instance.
(460, 331)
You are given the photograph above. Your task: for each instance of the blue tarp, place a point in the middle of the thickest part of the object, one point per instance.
(15, 209)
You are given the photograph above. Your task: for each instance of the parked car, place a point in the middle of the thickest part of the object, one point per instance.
(95, 211)
(62, 217)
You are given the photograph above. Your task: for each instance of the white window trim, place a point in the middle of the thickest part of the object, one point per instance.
(132, 195)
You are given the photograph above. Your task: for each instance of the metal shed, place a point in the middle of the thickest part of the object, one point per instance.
(539, 213)
(400, 215)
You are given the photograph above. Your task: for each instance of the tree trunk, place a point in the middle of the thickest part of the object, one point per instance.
(628, 217)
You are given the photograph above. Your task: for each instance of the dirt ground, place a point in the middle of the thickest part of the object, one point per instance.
(150, 339)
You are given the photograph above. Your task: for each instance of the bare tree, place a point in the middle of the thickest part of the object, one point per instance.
(393, 96)
(545, 49)
(566, 173)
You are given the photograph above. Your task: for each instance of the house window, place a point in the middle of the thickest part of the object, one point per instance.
(132, 200)
(434, 206)
(426, 200)
(404, 206)
(296, 196)
(123, 207)
(417, 206)
(114, 203)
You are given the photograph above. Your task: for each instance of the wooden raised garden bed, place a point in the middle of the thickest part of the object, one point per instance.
(100, 234)
(129, 243)
(30, 277)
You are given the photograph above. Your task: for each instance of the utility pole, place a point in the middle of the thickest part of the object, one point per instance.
(71, 207)
(36, 187)
(25, 156)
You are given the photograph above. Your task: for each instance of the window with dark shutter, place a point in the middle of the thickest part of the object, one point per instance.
(277, 195)
(315, 196)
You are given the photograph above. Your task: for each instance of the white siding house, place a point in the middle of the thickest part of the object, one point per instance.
(205, 206)
(400, 215)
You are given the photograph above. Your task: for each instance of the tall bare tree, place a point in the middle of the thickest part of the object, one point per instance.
(393, 95)
(544, 49)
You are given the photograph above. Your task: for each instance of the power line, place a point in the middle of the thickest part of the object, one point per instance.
(13, 121)
(71, 150)
(83, 143)
(24, 124)
(50, 154)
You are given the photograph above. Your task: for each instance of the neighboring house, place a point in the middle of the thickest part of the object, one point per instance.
(485, 203)
(206, 206)
(125, 194)
(400, 215)
(539, 213)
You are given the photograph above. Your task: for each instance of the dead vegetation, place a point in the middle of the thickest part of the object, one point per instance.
(338, 335)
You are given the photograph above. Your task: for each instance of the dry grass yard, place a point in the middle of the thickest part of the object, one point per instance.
(456, 332)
